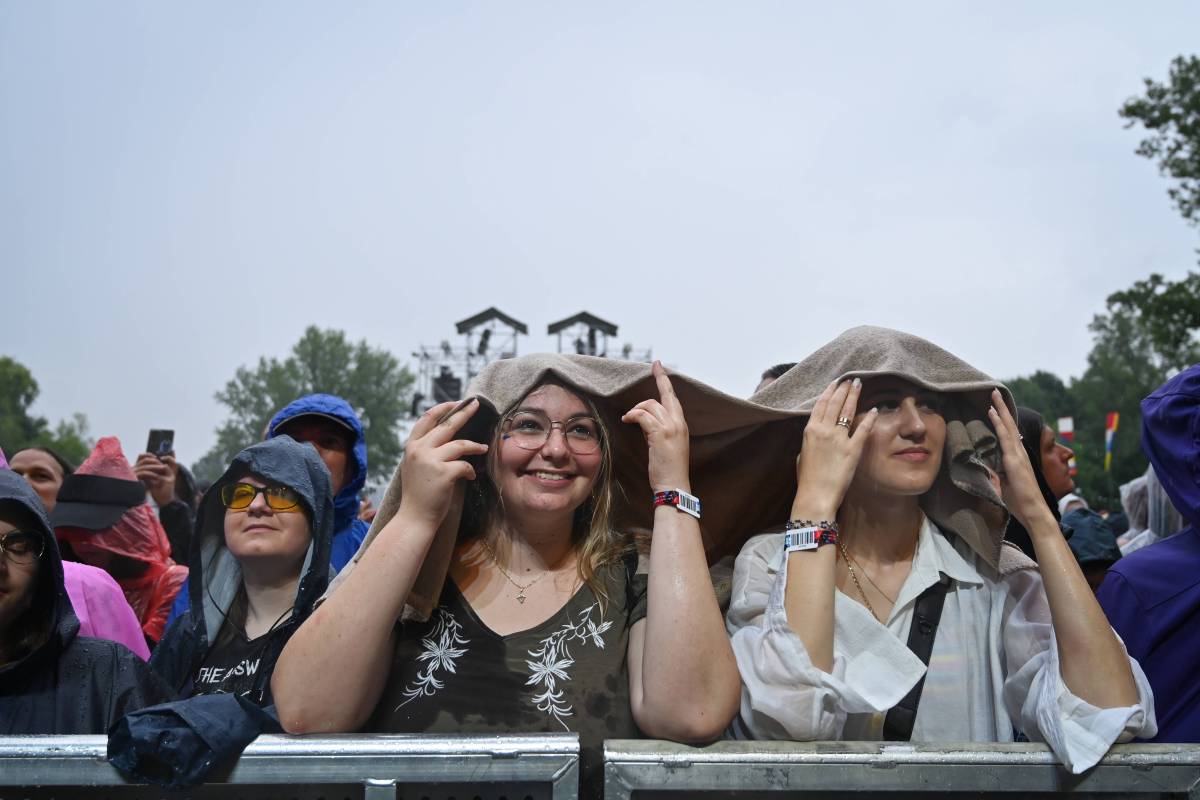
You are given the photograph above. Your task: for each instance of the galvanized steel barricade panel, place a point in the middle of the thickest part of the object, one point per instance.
(402, 766)
(664, 770)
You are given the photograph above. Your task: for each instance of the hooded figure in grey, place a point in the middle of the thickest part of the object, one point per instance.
(216, 575)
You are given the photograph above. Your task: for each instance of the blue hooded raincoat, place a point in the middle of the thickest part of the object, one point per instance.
(1152, 596)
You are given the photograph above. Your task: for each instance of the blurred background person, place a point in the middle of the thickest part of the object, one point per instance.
(173, 490)
(45, 471)
(1162, 519)
(102, 519)
(772, 374)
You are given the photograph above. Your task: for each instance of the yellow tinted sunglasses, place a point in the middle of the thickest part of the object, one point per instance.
(239, 496)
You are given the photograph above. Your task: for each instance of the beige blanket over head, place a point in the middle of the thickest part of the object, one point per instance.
(742, 452)
(962, 500)
(727, 435)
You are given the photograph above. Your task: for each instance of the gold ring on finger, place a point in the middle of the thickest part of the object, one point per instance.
(843, 422)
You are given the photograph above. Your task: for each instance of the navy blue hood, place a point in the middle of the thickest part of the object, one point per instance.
(1171, 439)
(346, 502)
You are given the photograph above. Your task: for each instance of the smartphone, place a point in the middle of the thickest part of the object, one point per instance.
(161, 442)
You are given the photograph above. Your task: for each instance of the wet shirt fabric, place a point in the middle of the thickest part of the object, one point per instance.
(994, 665)
(453, 674)
(68, 684)
(232, 666)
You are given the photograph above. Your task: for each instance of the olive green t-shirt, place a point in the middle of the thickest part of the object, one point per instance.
(453, 674)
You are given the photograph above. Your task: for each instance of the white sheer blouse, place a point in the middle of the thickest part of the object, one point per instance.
(994, 666)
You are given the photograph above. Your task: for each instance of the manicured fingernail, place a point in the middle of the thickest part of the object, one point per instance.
(857, 383)
(874, 409)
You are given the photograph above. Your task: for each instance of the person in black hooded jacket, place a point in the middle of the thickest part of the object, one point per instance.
(259, 560)
(53, 681)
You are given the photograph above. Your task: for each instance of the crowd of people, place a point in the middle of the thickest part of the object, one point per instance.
(909, 561)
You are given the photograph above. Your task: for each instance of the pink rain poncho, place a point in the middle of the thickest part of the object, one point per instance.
(133, 549)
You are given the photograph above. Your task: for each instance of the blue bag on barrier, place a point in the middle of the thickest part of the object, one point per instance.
(177, 745)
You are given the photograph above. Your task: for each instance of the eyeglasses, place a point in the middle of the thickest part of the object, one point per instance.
(239, 496)
(530, 430)
(22, 547)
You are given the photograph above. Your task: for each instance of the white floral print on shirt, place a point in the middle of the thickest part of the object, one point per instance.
(441, 648)
(554, 660)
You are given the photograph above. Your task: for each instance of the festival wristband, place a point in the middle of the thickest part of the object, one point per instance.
(807, 538)
(687, 503)
(797, 524)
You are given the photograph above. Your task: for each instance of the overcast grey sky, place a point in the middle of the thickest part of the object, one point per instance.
(184, 188)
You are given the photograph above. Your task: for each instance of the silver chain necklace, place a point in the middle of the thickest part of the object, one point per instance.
(521, 598)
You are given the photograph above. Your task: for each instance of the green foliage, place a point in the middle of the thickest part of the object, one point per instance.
(19, 429)
(1171, 113)
(370, 379)
(1145, 335)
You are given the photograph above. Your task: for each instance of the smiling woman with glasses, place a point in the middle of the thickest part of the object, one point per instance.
(497, 593)
(52, 680)
(260, 557)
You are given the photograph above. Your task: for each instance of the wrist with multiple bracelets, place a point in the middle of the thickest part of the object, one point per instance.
(805, 534)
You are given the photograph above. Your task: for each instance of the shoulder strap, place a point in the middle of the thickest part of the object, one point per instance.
(927, 613)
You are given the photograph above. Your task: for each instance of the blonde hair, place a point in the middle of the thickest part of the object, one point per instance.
(596, 543)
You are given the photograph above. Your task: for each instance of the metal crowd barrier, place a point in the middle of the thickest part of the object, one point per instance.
(660, 770)
(395, 767)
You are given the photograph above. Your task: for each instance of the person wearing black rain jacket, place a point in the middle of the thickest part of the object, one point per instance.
(53, 681)
(259, 560)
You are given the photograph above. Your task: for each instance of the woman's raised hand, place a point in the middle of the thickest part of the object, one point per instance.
(433, 460)
(666, 431)
(1018, 482)
(830, 452)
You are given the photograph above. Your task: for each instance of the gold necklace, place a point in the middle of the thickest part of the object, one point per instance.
(867, 575)
(854, 577)
(521, 598)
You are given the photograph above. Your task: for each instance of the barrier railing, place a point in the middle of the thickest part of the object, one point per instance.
(834, 769)
(515, 767)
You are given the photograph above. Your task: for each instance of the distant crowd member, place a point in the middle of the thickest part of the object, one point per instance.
(1152, 596)
(329, 424)
(263, 536)
(45, 471)
(99, 603)
(772, 374)
(102, 519)
(173, 490)
(1050, 460)
(1092, 543)
(1162, 519)
(1134, 497)
(53, 681)
(1070, 502)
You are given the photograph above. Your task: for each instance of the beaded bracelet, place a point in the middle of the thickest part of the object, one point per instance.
(809, 538)
(796, 524)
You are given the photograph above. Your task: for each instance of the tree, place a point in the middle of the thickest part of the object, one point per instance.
(1171, 112)
(19, 429)
(370, 379)
(1145, 335)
